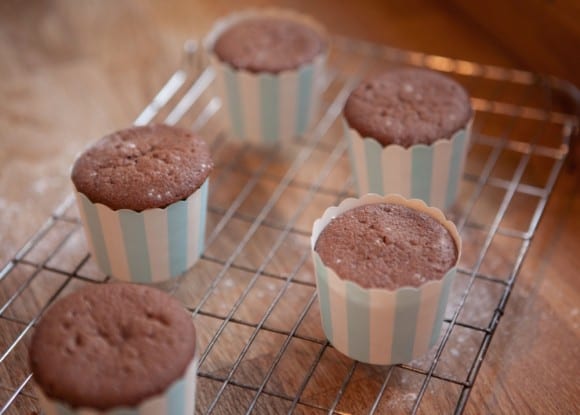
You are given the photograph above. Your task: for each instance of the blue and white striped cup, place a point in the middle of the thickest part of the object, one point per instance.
(149, 246)
(431, 173)
(376, 325)
(267, 108)
(178, 399)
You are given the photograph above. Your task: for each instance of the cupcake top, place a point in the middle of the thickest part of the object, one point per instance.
(387, 245)
(111, 345)
(143, 167)
(268, 44)
(407, 107)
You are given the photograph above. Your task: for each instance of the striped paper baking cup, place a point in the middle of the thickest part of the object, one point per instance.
(266, 108)
(375, 325)
(149, 246)
(178, 399)
(431, 173)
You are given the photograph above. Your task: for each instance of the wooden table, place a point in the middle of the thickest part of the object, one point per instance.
(73, 71)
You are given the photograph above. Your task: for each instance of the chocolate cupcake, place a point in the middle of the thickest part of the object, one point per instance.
(408, 133)
(142, 196)
(268, 64)
(112, 348)
(384, 268)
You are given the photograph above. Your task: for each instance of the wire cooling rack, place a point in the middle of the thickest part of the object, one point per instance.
(253, 293)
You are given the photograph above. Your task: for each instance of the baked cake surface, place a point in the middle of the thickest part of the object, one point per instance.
(111, 345)
(387, 245)
(407, 107)
(143, 167)
(268, 44)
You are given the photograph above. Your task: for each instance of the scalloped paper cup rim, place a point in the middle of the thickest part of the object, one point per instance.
(103, 206)
(372, 198)
(227, 21)
(439, 141)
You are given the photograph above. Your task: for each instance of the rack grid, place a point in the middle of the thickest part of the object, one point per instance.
(253, 294)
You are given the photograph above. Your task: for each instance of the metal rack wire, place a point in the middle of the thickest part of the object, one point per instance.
(253, 292)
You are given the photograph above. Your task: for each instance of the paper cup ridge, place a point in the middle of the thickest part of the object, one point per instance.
(149, 246)
(428, 172)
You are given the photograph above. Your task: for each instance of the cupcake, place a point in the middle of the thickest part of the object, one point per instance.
(115, 349)
(268, 66)
(384, 267)
(408, 132)
(142, 197)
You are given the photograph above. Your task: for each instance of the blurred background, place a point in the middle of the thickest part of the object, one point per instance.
(71, 71)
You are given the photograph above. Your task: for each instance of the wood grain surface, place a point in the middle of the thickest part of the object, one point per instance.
(73, 71)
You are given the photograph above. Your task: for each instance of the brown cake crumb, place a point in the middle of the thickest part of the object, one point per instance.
(111, 345)
(143, 167)
(387, 246)
(268, 44)
(407, 107)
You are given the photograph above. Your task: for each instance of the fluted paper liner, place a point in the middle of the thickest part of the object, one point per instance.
(377, 325)
(266, 108)
(431, 173)
(178, 399)
(149, 246)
